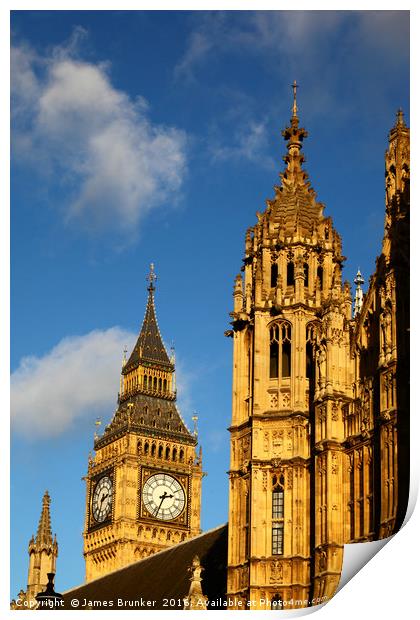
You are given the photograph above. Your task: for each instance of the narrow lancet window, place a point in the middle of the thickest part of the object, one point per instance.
(274, 352)
(280, 350)
(277, 531)
(306, 274)
(274, 274)
(290, 274)
(286, 351)
(320, 276)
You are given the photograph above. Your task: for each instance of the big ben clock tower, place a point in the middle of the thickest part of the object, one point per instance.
(143, 486)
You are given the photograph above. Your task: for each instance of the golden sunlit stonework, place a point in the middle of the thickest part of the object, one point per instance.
(144, 483)
(319, 432)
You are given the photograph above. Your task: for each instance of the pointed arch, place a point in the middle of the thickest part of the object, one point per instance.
(280, 349)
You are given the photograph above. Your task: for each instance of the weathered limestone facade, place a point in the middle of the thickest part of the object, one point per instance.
(146, 447)
(305, 434)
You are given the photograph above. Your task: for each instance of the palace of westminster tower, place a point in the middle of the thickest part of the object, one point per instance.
(320, 411)
(319, 432)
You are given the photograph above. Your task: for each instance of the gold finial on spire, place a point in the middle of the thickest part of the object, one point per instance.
(151, 278)
(294, 108)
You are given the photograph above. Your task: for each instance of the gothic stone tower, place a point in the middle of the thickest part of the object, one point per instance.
(377, 425)
(144, 483)
(43, 551)
(291, 377)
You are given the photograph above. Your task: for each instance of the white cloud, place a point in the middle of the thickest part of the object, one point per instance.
(250, 142)
(293, 36)
(97, 141)
(79, 377)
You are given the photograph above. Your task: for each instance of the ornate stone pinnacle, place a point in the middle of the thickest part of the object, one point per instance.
(195, 599)
(44, 534)
(358, 297)
(400, 118)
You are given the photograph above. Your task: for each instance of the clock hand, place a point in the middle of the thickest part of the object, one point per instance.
(162, 497)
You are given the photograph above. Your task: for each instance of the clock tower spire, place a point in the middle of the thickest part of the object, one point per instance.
(144, 484)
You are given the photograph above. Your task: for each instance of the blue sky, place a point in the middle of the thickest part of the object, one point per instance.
(155, 136)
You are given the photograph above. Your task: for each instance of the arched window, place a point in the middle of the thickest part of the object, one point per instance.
(174, 454)
(146, 447)
(167, 453)
(274, 275)
(153, 451)
(155, 384)
(290, 274)
(274, 351)
(277, 515)
(280, 348)
(160, 385)
(306, 274)
(160, 451)
(164, 385)
(150, 382)
(320, 276)
(276, 602)
(181, 455)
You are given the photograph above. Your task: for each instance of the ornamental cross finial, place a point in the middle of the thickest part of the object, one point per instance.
(295, 108)
(151, 278)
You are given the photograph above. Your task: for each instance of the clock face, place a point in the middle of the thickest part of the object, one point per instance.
(102, 499)
(163, 496)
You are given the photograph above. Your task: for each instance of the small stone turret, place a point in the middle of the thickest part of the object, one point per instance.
(43, 551)
(195, 599)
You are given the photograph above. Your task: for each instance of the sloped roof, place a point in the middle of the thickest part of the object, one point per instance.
(164, 575)
(294, 207)
(147, 413)
(149, 346)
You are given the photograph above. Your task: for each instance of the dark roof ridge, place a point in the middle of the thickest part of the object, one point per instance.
(150, 557)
